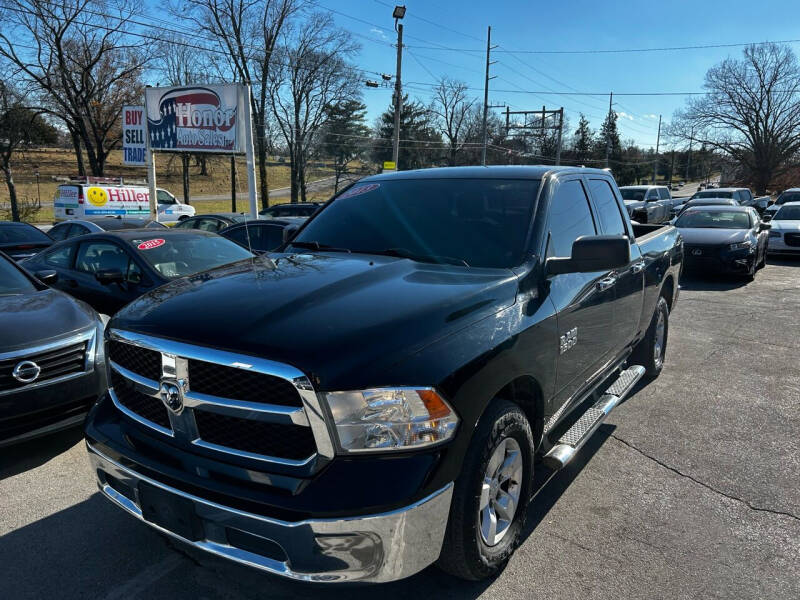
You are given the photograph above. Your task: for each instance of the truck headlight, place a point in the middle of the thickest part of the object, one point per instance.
(386, 419)
(745, 245)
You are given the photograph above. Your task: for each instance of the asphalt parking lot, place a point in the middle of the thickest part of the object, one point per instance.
(690, 490)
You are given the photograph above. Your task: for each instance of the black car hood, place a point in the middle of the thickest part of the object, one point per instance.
(693, 235)
(329, 315)
(36, 318)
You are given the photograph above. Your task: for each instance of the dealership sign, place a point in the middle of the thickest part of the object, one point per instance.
(209, 118)
(134, 137)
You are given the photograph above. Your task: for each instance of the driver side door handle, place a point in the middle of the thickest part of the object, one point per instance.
(606, 283)
(638, 267)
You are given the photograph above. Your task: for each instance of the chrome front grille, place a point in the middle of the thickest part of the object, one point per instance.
(53, 362)
(229, 403)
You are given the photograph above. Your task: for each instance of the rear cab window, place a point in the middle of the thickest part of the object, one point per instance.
(608, 214)
(569, 218)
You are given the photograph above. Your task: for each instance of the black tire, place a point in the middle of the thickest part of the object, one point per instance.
(763, 262)
(465, 553)
(182, 218)
(645, 351)
(751, 271)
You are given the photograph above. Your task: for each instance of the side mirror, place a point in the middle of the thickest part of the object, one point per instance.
(766, 217)
(109, 276)
(593, 253)
(288, 232)
(764, 226)
(48, 277)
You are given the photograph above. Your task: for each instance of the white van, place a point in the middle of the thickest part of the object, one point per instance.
(86, 200)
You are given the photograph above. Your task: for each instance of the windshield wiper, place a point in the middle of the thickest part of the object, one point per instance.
(430, 258)
(318, 246)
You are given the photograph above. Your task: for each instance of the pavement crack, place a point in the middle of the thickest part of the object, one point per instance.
(705, 485)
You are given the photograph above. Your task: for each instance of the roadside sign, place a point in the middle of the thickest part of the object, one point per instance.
(134, 138)
(389, 165)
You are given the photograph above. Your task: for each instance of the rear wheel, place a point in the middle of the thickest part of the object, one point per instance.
(491, 496)
(650, 351)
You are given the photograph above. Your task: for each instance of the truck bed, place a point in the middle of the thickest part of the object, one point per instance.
(646, 231)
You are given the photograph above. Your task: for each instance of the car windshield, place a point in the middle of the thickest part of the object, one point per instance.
(788, 197)
(477, 222)
(713, 194)
(788, 213)
(632, 194)
(20, 233)
(12, 281)
(180, 255)
(717, 219)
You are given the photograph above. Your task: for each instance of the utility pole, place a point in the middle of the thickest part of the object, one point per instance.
(398, 96)
(486, 95)
(233, 184)
(560, 130)
(608, 134)
(658, 140)
(689, 156)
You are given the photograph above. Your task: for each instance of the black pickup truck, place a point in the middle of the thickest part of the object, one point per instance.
(374, 397)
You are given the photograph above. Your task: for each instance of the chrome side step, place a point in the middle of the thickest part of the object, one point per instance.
(577, 435)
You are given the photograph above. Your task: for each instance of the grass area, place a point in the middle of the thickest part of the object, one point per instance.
(60, 162)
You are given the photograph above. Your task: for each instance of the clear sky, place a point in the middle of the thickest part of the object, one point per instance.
(448, 37)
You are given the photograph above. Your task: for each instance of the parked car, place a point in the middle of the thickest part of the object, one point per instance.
(21, 240)
(74, 228)
(705, 201)
(264, 235)
(212, 222)
(52, 366)
(100, 196)
(743, 196)
(108, 270)
(729, 239)
(647, 203)
(372, 398)
(291, 209)
(784, 237)
(790, 195)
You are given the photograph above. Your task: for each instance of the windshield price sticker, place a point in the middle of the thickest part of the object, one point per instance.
(150, 244)
(360, 189)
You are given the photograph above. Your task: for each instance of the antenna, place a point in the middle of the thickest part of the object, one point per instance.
(246, 217)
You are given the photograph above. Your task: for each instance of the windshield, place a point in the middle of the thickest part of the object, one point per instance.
(718, 219)
(21, 233)
(713, 194)
(12, 281)
(179, 255)
(788, 197)
(632, 194)
(477, 222)
(788, 213)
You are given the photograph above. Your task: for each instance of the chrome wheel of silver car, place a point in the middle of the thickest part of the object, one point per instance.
(500, 491)
(658, 345)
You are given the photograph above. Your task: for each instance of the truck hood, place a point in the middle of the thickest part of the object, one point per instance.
(693, 235)
(39, 317)
(337, 317)
(633, 204)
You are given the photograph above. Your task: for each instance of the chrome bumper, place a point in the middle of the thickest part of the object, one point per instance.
(373, 548)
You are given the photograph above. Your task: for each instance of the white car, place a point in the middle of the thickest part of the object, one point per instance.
(784, 236)
(790, 195)
(98, 198)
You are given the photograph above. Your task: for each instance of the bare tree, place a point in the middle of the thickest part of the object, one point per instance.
(77, 64)
(311, 75)
(751, 112)
(246, 32)
(452, 107)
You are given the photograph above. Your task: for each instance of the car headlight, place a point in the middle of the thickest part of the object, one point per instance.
(745, 245)
(386, 419)
(774, 234)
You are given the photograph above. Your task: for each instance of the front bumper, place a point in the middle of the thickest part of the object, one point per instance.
(369, 548)
(719, 260)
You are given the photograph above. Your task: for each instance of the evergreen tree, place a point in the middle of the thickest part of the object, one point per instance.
(609, 134)
(345, 135)
(583, 140)
(420, 143)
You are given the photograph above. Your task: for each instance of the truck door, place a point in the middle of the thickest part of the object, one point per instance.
(628, 281)
(583, 301)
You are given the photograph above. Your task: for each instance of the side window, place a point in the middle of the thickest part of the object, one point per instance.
(76, 230)
(652, 195)
(268, 237)
(570, 218)
(663, 193)
(100, 256)
(59, 232)
(164, 197)
(238, 235)
(60, 257)
(608, 214)
(212, 225)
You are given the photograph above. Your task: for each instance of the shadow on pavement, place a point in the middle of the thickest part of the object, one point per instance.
(106, 553)
(36, 452)
(783, 260)
(711, 282)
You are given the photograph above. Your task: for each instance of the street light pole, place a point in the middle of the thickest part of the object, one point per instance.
(658, 140)
(399, 13)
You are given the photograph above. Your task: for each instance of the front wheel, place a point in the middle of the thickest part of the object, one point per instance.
(650, 351)
(491, 496)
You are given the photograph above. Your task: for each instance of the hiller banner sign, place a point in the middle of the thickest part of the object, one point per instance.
(209, 118)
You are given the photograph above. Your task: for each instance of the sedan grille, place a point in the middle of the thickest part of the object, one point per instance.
(54, 363)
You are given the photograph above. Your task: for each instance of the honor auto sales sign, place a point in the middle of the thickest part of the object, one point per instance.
(208, 118)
